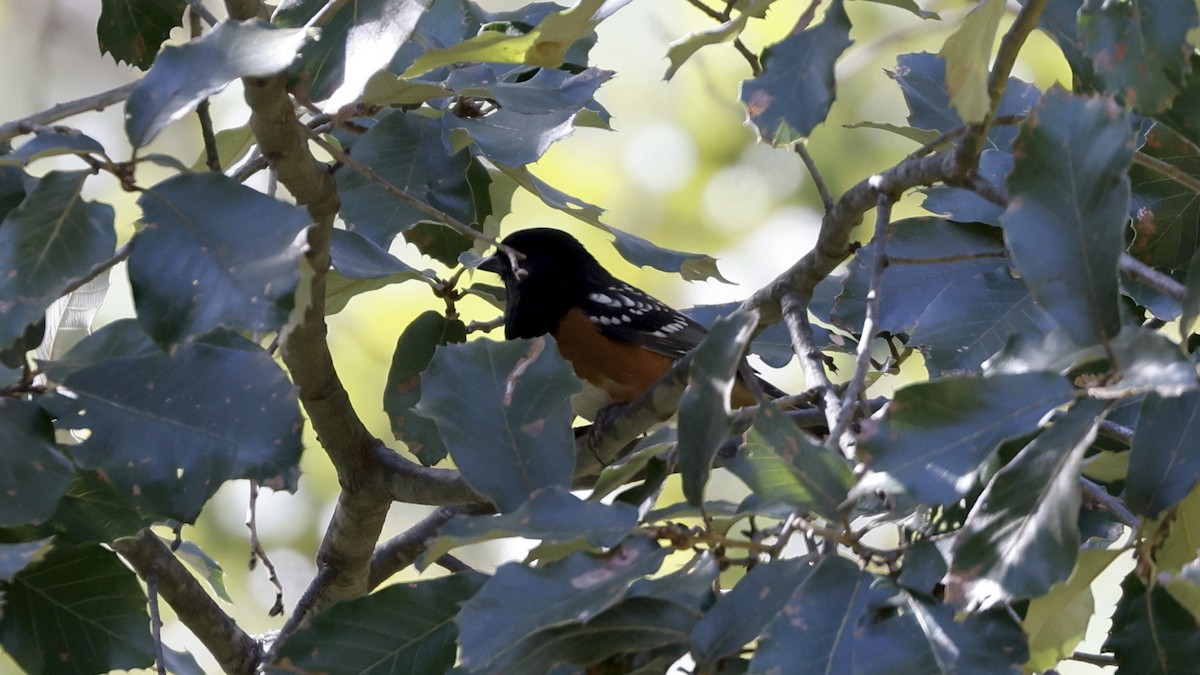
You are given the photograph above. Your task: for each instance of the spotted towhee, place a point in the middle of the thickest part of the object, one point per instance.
(619, 339)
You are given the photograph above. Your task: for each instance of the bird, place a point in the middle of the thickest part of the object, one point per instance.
(619, 339)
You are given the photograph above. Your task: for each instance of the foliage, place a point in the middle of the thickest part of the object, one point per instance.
(1051, 290)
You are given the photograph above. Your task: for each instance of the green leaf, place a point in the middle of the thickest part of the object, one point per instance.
(123, 337)
(169, 429)
(624, 470)
(92, 511)
(690, 586)
(781, 463)
(15, 184)
(1152, 634)
(1191, 297)
(133, 30)
(232, 145)
(1164, 461)
(967, 53)
(1057, 621)
(797, 86)
(934, 435)
(1184, 114)
(924, 568)
(15, 557)
(555, 199)
(1185, 587)
(545, 45)
(214, 253)
(404, 628)
(640, 252)
(406, 150)
(52, 143)
(920, 136)
(504, 412)
(33, 473)
(909, 5)
(772, 344)
(679, 51)
(1183, 539)
(821, 621)
(184, 76)
(414, 351)
(78, 609)
(1022, 535)
(741, 614)
(972, 319)
(53, 238)
(966, 206)
(1164, 212)
(704, 412)
(518, 602)
(1140, 48)
(1070, 196)
(204, 567)
(552, 514)
(358, 265)
(438, 242)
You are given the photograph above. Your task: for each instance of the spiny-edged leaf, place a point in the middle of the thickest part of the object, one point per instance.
(974, 318)
(1164, 462)
(1140, 48)
(797, 86)
(935, 434)
(1022, 535)
(169, 429)
(555, 199)
(821, 621)
(214, 253)
(1152, 634)
(532, 114)
(438, 241)
(123, 337)
(518, 601)
(184, 76)
(922, 637)
(92, 511)
(356, 42)
(33, 473)
(742, 613)
(781, 463)
(204, 566)
(414, 351)
(704, 412)
(640, 252)
(404, 628)
(682, 49)
(78, 609)
(133, 30)
(922, 80)
(552, 514)
(1056, 622)
(14, 557)
(1070, 196)
(545, 45)
(53, 238)
(406, 150)
(360, 265)
(966, 206)
(1164, 212)
(51, 143)
(504, 412)
(909, 5)
(924, 256)
(967, 53)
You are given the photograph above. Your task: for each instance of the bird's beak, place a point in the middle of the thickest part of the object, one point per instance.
(493, 263)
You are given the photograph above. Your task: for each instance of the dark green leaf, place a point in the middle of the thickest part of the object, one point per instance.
(974, 318)
(640, 252)
(53, 238)
(184, 76)
(33, 473)
(1164, 462)
(556, 199)
(1056, 622)
(797, 87)
(1152, 634)
(935, 434)
(1022, 535)
(1165, 212)
(924, 256)
(820, 623)
(77, 610)
(169, 429)
(133, 30)
(552, 514)
(504, 412)
(773, 344)
(1140, 48)
(704, 412)
(204, 566)
(123, 337)
(51, 143)
(438, 242)
(921, 637)
(14, 185)
(405, 628)
(214, 253)
(742, 613)
(92, 511)
(1191, 298)
(781, 463)
(414, 351)
(966, 206)
(1070, 199)
(690, 586)
(518, 602)
(358, 265)
(924, 568)
(406, 150)
(1184, 114)
(1148, 361)
(14, 557)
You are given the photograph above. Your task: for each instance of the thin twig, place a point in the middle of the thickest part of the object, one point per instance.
(818, 181)
(303, 606)
(203, 12)
(257, 552)
(100, 101)
(1116, 432)
(812, 361)
(118, 256)
(325, 14)
(1115, 506)
(1169, 170)
(155, 621)
(485, 326)
(1151, 277)
(1101, 660)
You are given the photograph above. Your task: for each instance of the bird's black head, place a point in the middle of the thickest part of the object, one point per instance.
(552, 278)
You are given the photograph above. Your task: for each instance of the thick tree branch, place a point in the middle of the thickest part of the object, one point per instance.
(233, 648)
(25, 125)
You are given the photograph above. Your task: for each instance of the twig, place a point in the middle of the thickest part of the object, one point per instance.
(325, 14)
(118, 256)
(202, 11)
(99, 101)
(818, 181)
(795, 315)
(1169, 170)
(155, 620)
(303, 607)
(403, 549)
(1094, 659)
(1098, 494)
(1151, 277)
(1116, 431)
(485, 326)
(755, 64)
(257, 552)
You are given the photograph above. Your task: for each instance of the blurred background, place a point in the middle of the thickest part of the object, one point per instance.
(681, 168)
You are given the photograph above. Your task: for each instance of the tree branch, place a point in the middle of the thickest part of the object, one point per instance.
(233, 648)
(1151, 277)
(1169, 170)
(812, 362)
(818, 181)
(25, 125)
(403, 549)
